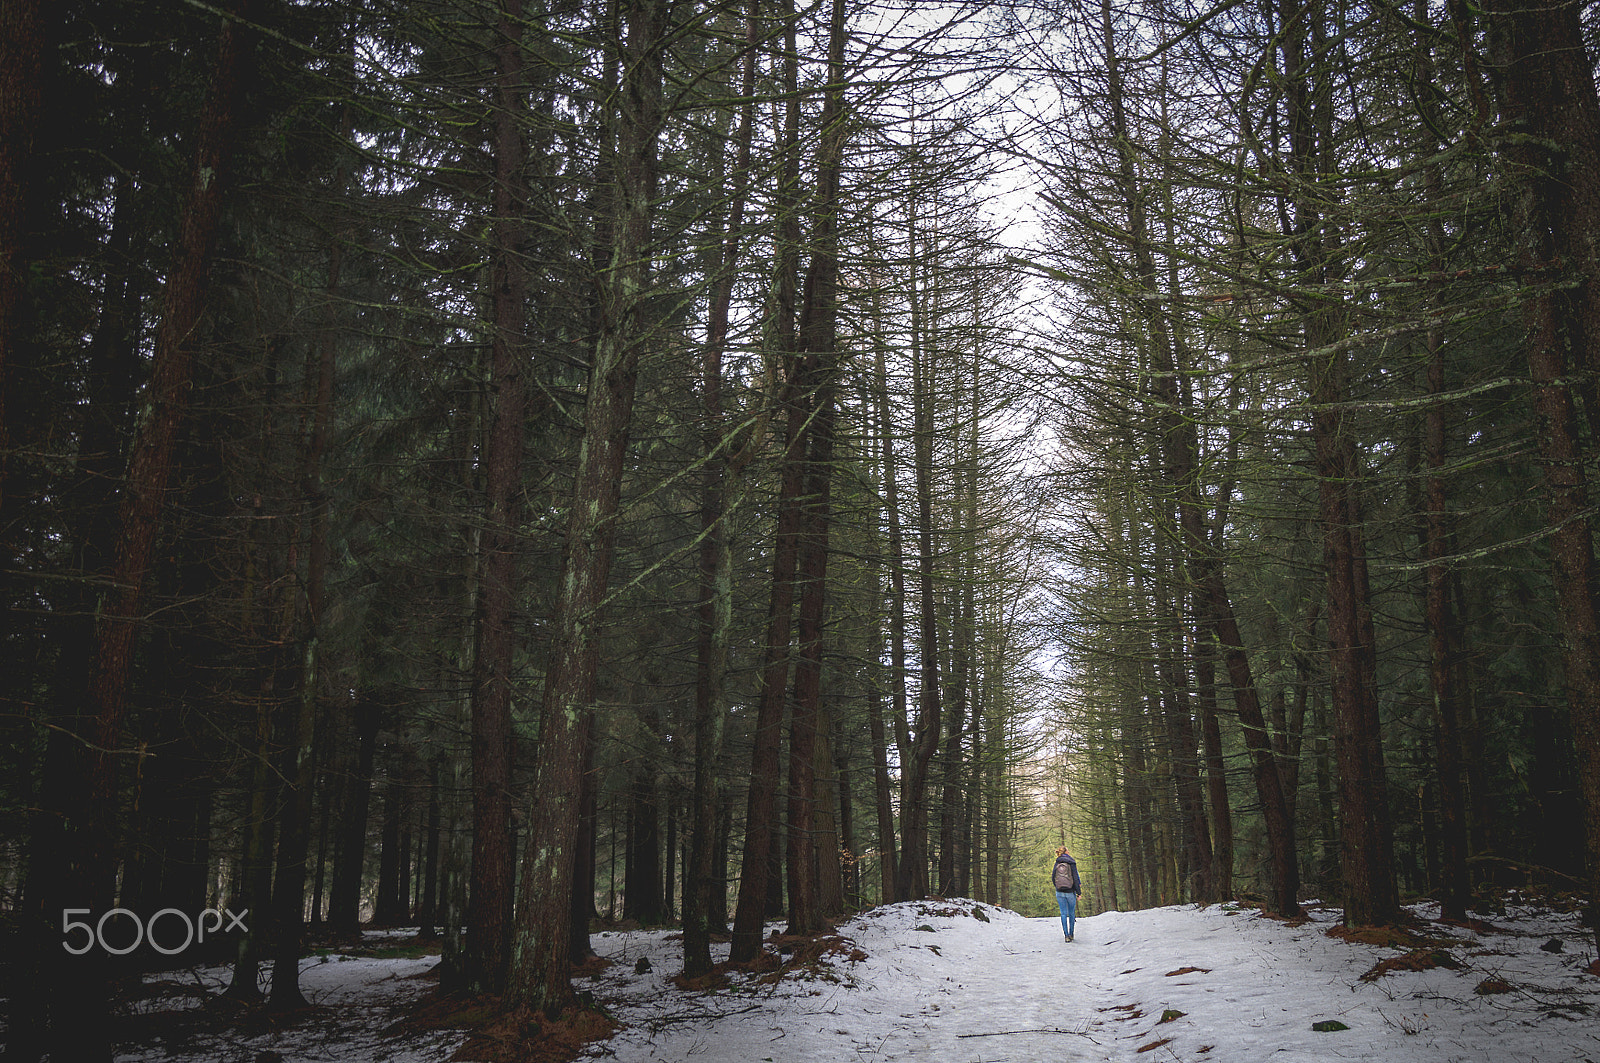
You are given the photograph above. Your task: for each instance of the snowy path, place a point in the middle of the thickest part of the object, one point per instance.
(998, 990)
(1011, 991)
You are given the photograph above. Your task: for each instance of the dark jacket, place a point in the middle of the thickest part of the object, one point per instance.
(1056, 876)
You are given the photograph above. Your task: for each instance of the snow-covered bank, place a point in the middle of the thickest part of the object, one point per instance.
(1179, 983)
(958, 982)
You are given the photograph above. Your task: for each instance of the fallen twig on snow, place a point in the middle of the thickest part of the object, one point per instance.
(1042, 1029)
(692, 1016)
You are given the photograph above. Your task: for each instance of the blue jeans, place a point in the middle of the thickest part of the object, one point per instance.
(1068, 903)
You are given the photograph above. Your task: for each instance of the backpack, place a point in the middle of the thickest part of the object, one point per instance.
(1065, 876)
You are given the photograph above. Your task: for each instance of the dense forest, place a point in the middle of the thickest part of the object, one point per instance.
(518, 466)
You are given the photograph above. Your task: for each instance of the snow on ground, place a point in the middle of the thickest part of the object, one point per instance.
(356, 997)
(940, 986)
(932, 982)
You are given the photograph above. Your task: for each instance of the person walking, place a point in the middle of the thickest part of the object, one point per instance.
(1064, 875)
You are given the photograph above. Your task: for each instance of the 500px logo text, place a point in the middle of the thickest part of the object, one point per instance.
(193, 929)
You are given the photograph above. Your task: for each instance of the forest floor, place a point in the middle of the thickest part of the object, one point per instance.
(959, 982)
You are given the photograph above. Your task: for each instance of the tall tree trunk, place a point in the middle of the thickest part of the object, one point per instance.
(913, 869)
(1107, 872)
(1367, 836)
(294, 832)
(466, 442)
(755, 879)
(828, 817)
(1205, 669)
(254, 889)
(671, 852)
(775, 907)
(1439, 612)
(882, 797)
(848, 852)
(819, 347)
(969, 875)
(1120, 831)
(386, 901)
(996, 802)
(1134, 684)
(453, 859)
(952, 802)
(350, 850)
(542, 951)
(493, 860)
(703, 877)
(961, 778)
(894, 551)
(428, 901)
(325, 814)
(641, 882)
